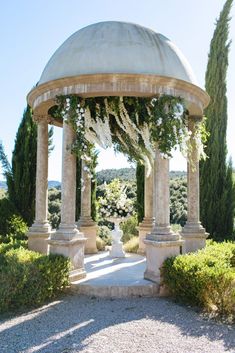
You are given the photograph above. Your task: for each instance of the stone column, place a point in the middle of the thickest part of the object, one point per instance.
(161, 242)
(68, 240)
(86, 224)
(39, 233)
(193, 233)
(146, 226)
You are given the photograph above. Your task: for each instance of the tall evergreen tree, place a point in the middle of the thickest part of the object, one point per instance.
(21, 175)
(94, 156)
(140, 176)
(216, 178)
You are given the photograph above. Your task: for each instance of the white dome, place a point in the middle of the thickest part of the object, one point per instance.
(117, 48)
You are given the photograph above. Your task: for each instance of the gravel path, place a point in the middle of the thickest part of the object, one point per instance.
(80, 324)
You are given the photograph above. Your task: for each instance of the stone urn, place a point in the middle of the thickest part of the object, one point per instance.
(117, 244)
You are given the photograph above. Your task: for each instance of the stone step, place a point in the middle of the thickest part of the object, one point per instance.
(116, 291)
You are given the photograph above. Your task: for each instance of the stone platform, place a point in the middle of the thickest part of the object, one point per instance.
(115, 277)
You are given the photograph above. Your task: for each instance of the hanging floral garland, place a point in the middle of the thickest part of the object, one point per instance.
(133, 125)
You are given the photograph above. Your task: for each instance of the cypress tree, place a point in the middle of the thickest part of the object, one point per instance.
(78, 188)
(140, 175)
(216, 179)
(94, 156)
(21, 175)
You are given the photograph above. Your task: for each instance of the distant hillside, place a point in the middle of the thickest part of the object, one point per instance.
(177, 174)
(53, 184)
(107, 175)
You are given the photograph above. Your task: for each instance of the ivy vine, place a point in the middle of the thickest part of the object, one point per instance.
(133, 125)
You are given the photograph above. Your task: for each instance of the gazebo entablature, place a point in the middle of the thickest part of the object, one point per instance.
(157, 239)
(42, 97)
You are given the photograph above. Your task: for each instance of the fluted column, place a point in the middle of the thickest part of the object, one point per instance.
(86, 224)
(161, 243)
(68, 240)
(162, 229)
(39, 232)
(68, 192)
(146, 226)
(193, 233)
(85, 194)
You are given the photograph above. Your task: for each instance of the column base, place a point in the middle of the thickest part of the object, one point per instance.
(156, 253)
(76, 275)
(38, 235)
(89, 228)
(144, 228)
(194, 236)
(68, 241)
(162, 233)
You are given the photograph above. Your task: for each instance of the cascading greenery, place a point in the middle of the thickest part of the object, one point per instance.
(133, 125)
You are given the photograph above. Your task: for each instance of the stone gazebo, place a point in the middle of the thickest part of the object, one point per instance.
(114, 59)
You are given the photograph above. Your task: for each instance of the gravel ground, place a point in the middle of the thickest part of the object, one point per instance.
(81, 324)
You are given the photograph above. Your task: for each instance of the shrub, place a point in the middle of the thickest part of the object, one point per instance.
(205, 278)
(100, 244)
(129, 228)
(16, 229)
(54, 207)
(132, 245)
(178, 201)
(7, 210)
(104, 234)
(176, 228)
(28, 278)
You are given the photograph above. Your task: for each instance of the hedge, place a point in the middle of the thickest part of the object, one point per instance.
(28, 278)
(205, 278)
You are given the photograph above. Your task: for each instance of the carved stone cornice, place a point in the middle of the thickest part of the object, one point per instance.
(119, 85)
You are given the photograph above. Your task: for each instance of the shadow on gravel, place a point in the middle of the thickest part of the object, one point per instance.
(63, 326)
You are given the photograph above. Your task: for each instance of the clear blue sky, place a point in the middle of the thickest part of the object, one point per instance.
(32, 30)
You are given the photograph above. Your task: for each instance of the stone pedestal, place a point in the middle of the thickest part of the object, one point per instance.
(144, 228)
(194, 236)
(38, 236)
(117, 250)
(117, 244)
(89, 229)
(68, 241)
(156, 253)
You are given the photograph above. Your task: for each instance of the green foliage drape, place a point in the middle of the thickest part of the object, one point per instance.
(217, 190)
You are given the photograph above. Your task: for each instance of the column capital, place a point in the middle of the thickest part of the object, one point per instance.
(39, 118)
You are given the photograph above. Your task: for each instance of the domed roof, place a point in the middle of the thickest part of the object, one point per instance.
(117, 48)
